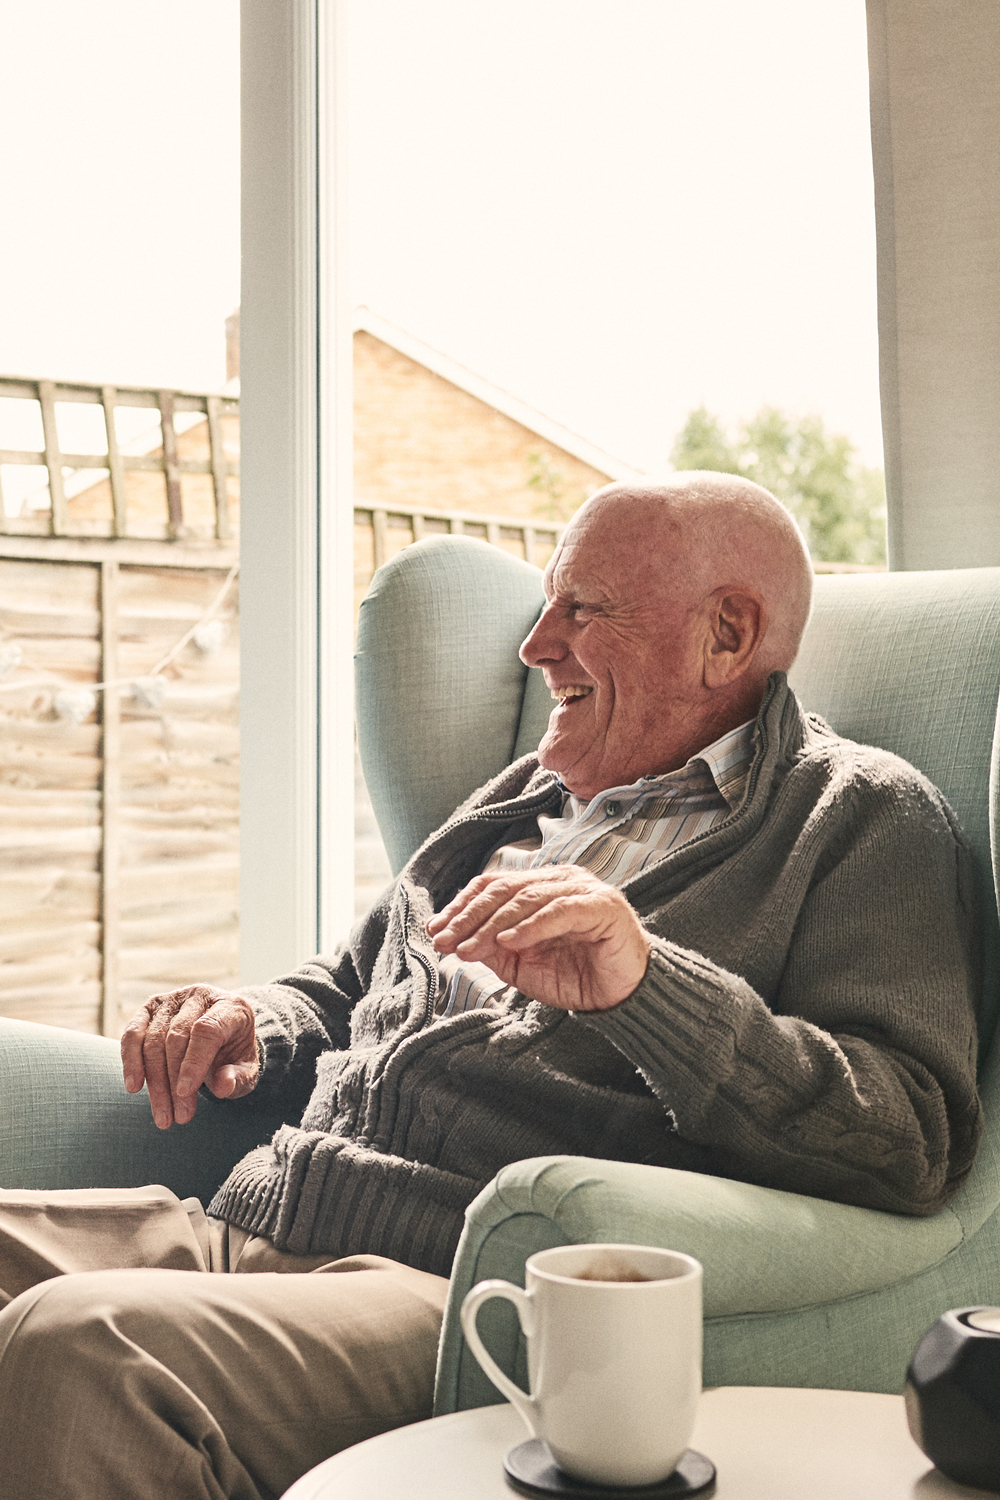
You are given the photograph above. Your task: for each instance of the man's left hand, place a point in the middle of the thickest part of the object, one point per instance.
(559, 934)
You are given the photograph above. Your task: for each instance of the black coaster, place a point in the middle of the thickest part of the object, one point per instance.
(532, 1470)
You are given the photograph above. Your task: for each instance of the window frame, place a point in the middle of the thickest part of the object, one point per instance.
(296, 717)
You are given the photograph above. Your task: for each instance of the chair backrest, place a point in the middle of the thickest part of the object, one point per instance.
(908, 661)
(911, 662)
(440, 690)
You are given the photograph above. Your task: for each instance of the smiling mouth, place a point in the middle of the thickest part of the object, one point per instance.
(564, 695)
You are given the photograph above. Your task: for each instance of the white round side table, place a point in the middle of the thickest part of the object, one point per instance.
(767, 1443)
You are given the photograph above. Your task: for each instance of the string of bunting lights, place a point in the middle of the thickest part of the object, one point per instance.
(75, 703)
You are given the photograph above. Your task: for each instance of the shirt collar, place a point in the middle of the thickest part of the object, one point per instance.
(727, 761)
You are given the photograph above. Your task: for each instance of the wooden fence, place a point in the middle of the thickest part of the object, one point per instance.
(167, 461)
(380, 533)
(412, 522)
(119, 737)
(119, 806)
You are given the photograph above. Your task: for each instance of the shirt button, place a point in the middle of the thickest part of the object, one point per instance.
(612, 809)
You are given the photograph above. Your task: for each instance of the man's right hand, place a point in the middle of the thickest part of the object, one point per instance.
(185, 1038)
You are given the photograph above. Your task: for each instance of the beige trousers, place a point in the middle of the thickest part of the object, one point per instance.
(126, 1370)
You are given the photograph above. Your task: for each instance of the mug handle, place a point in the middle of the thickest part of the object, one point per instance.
(482, 1292)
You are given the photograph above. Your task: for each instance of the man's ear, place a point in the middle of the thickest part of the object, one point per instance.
(737, 623)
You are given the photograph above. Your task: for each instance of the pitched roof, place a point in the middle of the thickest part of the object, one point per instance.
(467, 380)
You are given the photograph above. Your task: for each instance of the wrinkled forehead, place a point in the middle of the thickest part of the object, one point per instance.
(620, 547)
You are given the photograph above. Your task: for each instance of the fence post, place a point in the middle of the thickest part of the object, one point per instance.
(110, 800)
(223, 530)
(379, 527)
(114, 461)
(53, 458)
(175, 514)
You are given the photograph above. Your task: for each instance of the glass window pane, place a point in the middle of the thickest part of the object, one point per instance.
(119, 671)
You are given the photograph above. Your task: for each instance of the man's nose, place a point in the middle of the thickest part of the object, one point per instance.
(544, 641)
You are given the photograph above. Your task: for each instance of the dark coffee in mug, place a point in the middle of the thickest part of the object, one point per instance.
(608, 1267)
(616, 1275)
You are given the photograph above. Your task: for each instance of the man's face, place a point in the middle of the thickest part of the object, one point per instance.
(619, 646)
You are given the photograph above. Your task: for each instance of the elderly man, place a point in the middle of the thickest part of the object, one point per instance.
(698, 929)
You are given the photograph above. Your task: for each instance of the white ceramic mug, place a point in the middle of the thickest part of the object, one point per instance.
(614, 1357)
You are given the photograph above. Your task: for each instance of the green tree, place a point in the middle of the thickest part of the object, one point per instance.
(838, 501)
(703, 444)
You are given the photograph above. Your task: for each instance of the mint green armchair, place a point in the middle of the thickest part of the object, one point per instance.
(798, 1291)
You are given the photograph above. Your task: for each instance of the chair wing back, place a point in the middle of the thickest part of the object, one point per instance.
(911, 662)
(441, 694)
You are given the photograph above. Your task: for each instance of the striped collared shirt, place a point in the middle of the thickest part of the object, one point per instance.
(617, 834)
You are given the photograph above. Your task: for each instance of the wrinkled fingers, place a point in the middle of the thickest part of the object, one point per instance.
(508, 901)
(221, 1050)
(469, 910)
(441, 924)
(131, 1049)
(506, 918)
(575, 914)
(155, 1047)
(178, 1045)
(160, 1011)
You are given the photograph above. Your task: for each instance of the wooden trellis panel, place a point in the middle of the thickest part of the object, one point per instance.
(379, 533)
(154, 494)
(179, 810)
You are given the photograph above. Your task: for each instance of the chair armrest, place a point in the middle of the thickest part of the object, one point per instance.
(67, 1122)
(763, 1251)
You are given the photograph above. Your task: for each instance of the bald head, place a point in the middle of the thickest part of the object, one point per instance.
(669, 606)
(720, 531)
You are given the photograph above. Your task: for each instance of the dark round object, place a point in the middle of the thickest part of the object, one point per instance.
(532, 1470)
(953, 1397)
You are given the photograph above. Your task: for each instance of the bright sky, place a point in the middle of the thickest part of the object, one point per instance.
(119, 179)
(614, 209)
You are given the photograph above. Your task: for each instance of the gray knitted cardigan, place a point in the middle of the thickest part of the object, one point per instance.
(806, 1020)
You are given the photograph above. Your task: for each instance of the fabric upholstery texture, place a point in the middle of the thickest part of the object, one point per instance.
(67, 1122)
(440, 686)
(911, 662)
(794, 1286)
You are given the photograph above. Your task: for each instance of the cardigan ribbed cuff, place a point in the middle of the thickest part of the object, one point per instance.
(673, 1027)
(314, 1194)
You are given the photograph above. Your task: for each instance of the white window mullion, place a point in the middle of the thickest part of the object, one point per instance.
(295, 621)
(336, 483)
